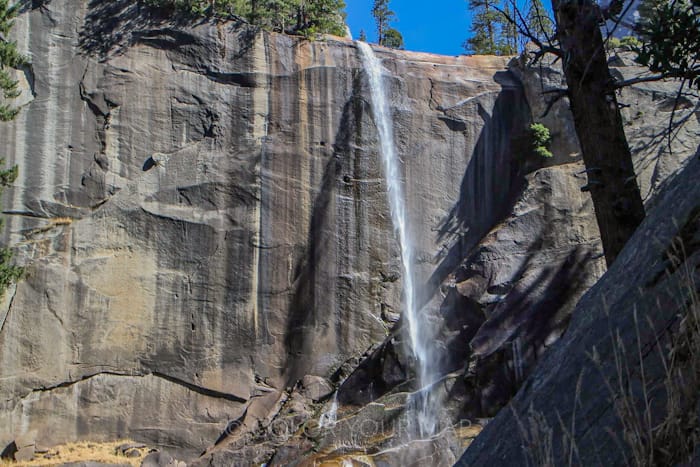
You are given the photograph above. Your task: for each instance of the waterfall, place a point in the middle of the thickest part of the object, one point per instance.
(329, 417)
(417, 328)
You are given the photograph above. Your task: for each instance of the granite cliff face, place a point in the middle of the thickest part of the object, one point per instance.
(204, 220)
(203, 217)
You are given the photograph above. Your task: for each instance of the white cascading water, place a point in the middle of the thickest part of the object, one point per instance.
(330, 417)
(417, 329)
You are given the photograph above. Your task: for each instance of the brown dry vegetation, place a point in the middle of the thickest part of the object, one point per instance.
(654, 434)
(673, 439)
(80, 452)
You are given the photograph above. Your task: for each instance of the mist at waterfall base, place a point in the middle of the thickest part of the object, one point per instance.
(422, 404)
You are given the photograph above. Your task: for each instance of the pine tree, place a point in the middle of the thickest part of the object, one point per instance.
(363, 36)
(306, 17)
(382, 17)
(324, 17)
(281, 15)
(670, 39)
(484, 28)
(9, 273)
(9, 58)
(494, 28)
(538, 21)
(612, 182)
(507, 43)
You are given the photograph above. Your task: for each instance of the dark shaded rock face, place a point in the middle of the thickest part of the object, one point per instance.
(633, 323)
(209, 253)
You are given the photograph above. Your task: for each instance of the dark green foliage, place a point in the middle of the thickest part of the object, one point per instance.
(393, 39)
(383, 16)
(307, 17)
(7, 176)
(363, 36)
(507, 43)
(670, 34)
(501, 27)
(539, 23)
(646, 9)
(484, 28)
(321, 17)
(9, 58)
(540, 139)
(492, 32)
(217, 8)
(9, 273)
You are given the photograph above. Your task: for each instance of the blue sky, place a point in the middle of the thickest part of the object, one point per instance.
(438, 26)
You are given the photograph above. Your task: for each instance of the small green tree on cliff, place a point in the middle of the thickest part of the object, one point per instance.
(9, 273)
(9, 58)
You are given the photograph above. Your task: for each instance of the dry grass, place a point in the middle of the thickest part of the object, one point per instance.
(80, 452)
(61, 221)
(538, 436)
(52, 223)
(467, 434)
(670, 437)
(654, 433)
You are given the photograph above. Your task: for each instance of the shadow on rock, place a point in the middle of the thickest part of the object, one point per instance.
(489, 188)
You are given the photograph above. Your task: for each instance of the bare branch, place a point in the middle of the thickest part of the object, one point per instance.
(521, 24)
(640, 79)
(673, 114)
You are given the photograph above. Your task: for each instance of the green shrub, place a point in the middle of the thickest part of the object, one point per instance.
(10, 59)
(628, 43)
(9, 273)
(540, 139)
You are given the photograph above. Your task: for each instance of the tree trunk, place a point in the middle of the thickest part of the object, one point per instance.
(611, 178)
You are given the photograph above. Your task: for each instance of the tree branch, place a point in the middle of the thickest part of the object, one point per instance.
(524, 30)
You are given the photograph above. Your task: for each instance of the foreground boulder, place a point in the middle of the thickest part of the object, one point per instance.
(610, 371)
